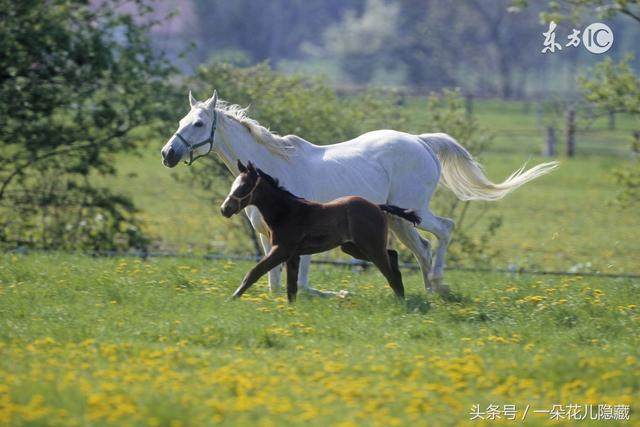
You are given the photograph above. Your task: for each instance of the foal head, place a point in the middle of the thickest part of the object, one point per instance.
(242, 190)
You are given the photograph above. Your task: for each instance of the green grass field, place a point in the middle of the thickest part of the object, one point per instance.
(86, 341)
(120, 341)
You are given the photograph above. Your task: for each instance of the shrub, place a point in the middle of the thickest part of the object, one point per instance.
(79, 83)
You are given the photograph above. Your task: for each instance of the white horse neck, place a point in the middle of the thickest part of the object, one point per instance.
(237, 143)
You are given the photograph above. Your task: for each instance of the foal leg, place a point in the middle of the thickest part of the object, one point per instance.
(350, 248)
(387, 263)
(274, 257)
(380, 257)
(419, 246)
(292, 277)
(392, 275)
(393, 259)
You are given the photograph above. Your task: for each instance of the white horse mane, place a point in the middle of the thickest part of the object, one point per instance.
(283, 146)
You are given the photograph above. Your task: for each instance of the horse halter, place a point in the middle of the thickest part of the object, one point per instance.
(192, 147)
(249, 194)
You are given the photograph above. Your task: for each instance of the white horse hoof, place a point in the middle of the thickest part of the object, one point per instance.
(342, 294)
(325, 294)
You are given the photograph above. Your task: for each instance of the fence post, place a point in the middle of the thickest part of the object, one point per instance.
(469, 104)
(612, 120)
(635, 144)
(550, 147)
(571, 132)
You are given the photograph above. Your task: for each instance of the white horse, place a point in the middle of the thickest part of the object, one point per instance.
(383, 166)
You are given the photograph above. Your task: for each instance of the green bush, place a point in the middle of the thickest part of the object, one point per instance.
(79, 84)
(615, 88)
(296, 104)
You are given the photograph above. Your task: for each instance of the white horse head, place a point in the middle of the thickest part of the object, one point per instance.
(195, 136)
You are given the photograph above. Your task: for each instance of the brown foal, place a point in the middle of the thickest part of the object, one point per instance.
(300, 227)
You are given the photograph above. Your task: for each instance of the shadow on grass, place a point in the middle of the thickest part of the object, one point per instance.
(455, 297)
(417, 304)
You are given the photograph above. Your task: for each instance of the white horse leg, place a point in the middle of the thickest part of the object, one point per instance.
(419, 246)
(275, 274)
(258, 224)
(442, 228)
(303, 281)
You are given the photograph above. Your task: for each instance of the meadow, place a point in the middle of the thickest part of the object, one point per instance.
(121, 341)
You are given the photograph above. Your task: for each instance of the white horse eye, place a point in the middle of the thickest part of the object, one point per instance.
(198, 124)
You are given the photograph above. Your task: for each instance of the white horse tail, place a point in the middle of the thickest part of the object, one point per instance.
(463, 175)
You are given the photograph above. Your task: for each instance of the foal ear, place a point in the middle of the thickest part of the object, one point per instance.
(241, 167)
(252, 169)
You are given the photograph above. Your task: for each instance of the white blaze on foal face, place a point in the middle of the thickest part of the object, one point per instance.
(239, 188)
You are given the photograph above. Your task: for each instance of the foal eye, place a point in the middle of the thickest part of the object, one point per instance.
(198, 124)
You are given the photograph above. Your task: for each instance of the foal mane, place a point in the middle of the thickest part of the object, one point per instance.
(276, 184)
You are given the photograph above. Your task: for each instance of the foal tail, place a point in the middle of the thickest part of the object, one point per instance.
(463, 175)
(407, 214)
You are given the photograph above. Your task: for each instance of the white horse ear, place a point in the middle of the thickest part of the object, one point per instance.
(192, 100)
(211, 102)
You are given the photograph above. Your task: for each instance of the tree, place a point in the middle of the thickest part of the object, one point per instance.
(364, 42)
(435, 43)
(615, 87)
(272, 30)
(78, 84)
(572, 9)
(508, 32)
(611, 87)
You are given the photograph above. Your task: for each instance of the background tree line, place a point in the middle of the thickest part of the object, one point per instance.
(84, 83)
(487, 47)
